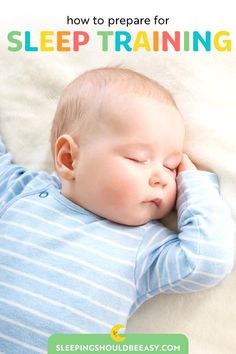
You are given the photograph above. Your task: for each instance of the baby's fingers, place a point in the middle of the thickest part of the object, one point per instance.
(186, 164)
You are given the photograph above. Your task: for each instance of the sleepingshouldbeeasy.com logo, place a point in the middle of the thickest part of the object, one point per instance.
(115, 333)
(116, 342)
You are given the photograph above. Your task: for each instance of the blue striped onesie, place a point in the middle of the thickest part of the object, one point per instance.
(64, 269)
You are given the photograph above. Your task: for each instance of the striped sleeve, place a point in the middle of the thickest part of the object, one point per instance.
(201, 255)
(13, 178)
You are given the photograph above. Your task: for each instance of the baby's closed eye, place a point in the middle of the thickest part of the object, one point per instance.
(137, 159)
(172, 169)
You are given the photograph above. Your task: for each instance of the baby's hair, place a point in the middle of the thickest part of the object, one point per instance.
(87, 90)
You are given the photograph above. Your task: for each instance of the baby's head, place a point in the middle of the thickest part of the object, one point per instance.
(117, 140)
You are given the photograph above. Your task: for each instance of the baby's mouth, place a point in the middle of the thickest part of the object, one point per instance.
(156, 201)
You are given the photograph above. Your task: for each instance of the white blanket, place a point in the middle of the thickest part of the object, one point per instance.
(204, 87)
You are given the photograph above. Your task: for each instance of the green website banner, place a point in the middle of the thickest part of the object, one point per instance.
(128, 343)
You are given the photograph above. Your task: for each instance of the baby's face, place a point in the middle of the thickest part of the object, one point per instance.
(126, 171)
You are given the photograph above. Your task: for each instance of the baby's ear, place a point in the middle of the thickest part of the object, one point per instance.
(66, 153)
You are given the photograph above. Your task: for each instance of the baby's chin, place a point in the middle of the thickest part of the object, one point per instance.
(137, 215)
(136, 220)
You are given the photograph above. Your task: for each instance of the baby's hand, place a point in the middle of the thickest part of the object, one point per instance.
(186, 164)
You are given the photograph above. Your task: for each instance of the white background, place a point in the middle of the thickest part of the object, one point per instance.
(184, 14)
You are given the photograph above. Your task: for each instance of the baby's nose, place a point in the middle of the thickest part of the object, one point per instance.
(158, 179)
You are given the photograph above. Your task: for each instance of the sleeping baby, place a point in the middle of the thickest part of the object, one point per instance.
(81, 252)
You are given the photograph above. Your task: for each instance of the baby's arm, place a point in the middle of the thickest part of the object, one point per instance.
(11, 182)
(201, 255)
(13, 178)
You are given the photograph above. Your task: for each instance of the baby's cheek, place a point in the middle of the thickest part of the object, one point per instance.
(120, 191)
